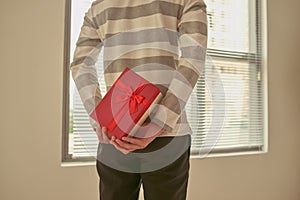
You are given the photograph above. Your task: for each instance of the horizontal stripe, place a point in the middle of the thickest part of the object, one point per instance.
(96, 2)
(91, 103)
(195, 10)
(82, 41)
(84, 51)
(197, 66)
(100, 5)
(157, 77)
(89, 91)
(113, 27)
(84, 80)
(137, 37)
(195, 52)
(150, 50)
(194, 39)
(114, 53)
(162, 124)
(181, 90)
(163, 89)
(88, 33)
(120, 64)
(187, 75)
(165, 117)
(172, 103)
(113, 13)
(89, 23)
(196, 6)
(140, 54)
(193, 27)
(153, 68)
(87, 60)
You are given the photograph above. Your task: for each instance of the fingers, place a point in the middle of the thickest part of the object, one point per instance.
(133, 141)
(105, 134)
(106, 138)
(117, 146)
(102, 135)
(128, 146)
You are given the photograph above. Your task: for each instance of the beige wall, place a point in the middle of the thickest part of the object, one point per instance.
(31, 121)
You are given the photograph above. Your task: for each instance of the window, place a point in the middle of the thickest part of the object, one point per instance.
(227, 109)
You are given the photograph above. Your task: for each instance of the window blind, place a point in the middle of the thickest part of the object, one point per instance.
(233, 121)
(226, 109)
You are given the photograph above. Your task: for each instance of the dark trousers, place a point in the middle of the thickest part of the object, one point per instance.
(162, 169)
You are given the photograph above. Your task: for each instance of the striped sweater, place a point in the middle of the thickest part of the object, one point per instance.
(164, 41)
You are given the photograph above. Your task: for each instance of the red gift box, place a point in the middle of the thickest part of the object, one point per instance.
(127, 104)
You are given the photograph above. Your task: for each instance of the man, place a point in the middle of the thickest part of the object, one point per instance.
(144, 35)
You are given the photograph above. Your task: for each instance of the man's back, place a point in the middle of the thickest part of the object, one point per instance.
(144, 35)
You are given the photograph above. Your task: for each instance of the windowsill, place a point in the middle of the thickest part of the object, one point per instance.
(78, 164)
(218, 155)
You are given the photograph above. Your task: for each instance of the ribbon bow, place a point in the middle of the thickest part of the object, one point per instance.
(133, 97)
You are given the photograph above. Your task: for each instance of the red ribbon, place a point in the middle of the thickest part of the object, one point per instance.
(130, 96)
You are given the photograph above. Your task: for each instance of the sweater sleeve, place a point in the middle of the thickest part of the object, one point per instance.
(83, 69)
(192, 28)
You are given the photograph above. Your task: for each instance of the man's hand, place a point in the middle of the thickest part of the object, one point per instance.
(143, 137)
(103, 135)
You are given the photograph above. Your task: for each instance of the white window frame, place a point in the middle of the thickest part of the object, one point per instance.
(67, 158)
